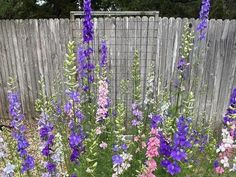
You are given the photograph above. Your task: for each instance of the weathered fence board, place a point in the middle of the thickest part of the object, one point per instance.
(31, 48)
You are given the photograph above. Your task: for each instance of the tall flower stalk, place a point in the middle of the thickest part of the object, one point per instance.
(18, 133)
(100, 124)
(183, 64)
(204, 15)
(88, 35)
(103, 99)
(72, 108)
(136, 81)
(46, 128)
(152, 147)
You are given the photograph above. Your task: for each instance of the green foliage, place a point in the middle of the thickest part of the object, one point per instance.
(187, 42)
(188, 105)
(43, 103)
(136, 78)
(70, 67)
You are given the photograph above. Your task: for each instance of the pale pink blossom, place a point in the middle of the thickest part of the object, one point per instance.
(103, 145)
(98, 130)
(219, 170)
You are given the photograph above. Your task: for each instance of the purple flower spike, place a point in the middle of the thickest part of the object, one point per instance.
(88, 32)
(19, 130)
(204, 13)
(103, 58)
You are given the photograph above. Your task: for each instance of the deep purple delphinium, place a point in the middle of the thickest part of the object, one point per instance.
(175, 150)
(82, 68)
(77, 135)
(73, 175)
(173, 168)
(204, 14)
(47, 138)
(88, 32)
(155, 120)
(86, 65)
(228, 118)
(76, 139)
(18, 131)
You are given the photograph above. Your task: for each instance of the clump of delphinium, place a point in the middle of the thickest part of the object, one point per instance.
(227, 147)
(174, 151)
(46, 132)
(72, 111)
(19, 130)
(97, 137)
(86, 134)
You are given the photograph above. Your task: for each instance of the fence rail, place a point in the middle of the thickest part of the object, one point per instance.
(30, 48)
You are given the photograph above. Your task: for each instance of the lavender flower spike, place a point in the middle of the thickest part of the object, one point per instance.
(103, 60)
(19, 130)
(204, 14)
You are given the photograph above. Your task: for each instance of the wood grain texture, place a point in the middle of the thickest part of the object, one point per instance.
(31, 48)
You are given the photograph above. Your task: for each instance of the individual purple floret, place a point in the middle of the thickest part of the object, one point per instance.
(117, 159)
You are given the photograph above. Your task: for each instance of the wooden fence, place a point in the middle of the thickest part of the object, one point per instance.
(30, 48)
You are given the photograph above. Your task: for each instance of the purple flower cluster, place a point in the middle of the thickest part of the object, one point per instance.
(85, 65)
(77, 136)
(204, 13)
(47, 137)
(137, 114)
(117, 158)
(19, 130)
(200, 138)
(103, 58)
(182, 64)
(176, 151)
(88, 32)
(76, 143)
(182, 67)
(231, 111)
(155, 120)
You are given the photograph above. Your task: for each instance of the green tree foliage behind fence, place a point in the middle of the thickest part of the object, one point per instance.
(223, 9)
